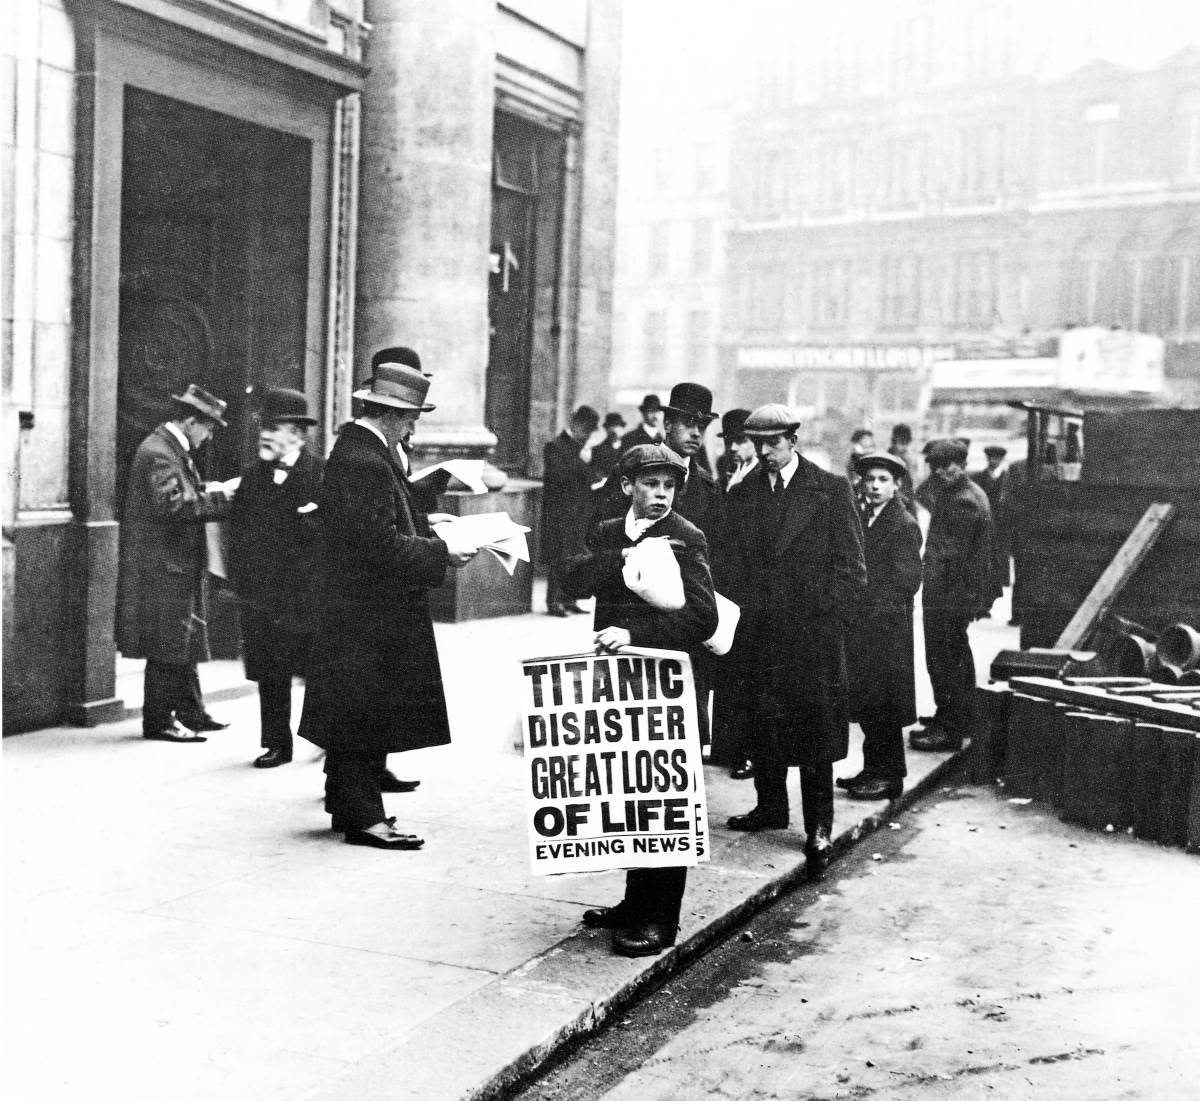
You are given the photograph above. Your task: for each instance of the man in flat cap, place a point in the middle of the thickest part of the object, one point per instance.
(879, 645)
(647, 920)
(375, 682)
(161, 609)
(567, 478)
(273, 534)
(957, 568)
(793, 561)
(650, 430)
(993, 480)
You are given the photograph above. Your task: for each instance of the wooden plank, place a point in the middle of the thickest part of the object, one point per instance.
(1123, 566)
(1167, 714)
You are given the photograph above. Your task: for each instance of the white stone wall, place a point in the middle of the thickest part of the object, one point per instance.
(37, 67)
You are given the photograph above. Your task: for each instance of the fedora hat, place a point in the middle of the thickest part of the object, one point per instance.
(691, 399)
(397, 381)
(282, 404)
(199, 400)
(774, 419)
(863, 463)
(732, 424)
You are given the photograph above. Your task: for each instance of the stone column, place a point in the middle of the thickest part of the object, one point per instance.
(425, 204)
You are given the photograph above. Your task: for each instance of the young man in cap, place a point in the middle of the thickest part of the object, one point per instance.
(375, 683)
(647, 920)
(993, 481)
(566, 501)
(650, 430)
(161, 608)
(879, 645)
(956, 571)
(793, 562)
(606, 453)
(273, 533)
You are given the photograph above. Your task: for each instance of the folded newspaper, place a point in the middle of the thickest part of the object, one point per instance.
(491, 531)
(467, 471)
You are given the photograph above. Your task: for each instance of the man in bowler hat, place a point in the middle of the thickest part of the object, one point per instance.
(161, 610)
(273, 534)
(793, 562)
(566, 501)
(739, 457)
(651, 428)
(606, 453)
(375, 682)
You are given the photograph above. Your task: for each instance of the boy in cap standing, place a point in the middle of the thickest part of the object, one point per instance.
(647, 920)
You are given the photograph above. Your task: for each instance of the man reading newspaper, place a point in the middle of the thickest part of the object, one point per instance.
(647, 920)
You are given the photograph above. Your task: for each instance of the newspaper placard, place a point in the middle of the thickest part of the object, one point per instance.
(612, 753)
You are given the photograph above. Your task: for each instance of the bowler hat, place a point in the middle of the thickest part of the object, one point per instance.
(945, 452)
(691, 399)
(397, 381)
(201, 401)
(650, 404)
(614, 420)
(282, 404)
(732, 422)
(995, 449)
(774, 419)
(863, 463)
(647, 455)
(585, 414)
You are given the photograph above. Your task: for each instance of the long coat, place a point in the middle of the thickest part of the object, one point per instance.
(879, 646)
(375, 683)
(161, 612)
(566, 499)
(272, 549)
(958, 549)
(798, 582)
(995, 489)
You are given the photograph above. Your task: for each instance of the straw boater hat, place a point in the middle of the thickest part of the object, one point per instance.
(281, 405)
(198, 400)
(397, 381)
(863, 463)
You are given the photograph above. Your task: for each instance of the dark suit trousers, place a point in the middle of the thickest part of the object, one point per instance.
(170, 690)
(275, 713)
(352, 789)
(950, 665)
(883, 749)
(655, 894)
(816, 792)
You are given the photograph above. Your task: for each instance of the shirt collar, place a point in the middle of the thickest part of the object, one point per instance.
(289, 460)
(793, 464)
(371, 428)
(175, 431)
(635, 528)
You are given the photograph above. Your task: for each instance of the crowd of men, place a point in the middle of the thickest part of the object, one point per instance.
(333, 561)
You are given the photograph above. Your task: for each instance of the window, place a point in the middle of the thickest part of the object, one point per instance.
(900, 300)
(904, 179)
(973, 294)
(1098, 144)
(1187, 127)
(988, 39)
(912, 54)
(980, 162)
(763, 292)
(830, 292)
(699, 344)
(658, 258)
(706, 167)
(1183, 284)
(1140, 301)
(702, 251)
(1091, 290)
(835, 175)
(654, 344)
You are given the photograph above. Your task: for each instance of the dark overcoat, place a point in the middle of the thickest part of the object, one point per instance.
(566, 498)
(161, 612)
(374, 684)
(701, 502)
(272, 549)
(958, 550)
(637, 436)
(604, 458)
(798, 581)
(879, 646)
(995, 489)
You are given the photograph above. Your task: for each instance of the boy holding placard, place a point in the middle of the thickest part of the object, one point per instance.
(647, 920)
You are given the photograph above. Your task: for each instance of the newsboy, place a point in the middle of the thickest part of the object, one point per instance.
(273, 535)
(375, 682)
(793, 561)
(161, 609)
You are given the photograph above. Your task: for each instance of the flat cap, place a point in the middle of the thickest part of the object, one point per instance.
(647, 455)
(863, 463)
(771, 420)
(945, 452)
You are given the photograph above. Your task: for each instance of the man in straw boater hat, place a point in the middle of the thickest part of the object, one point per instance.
(273, 532)
(161, 613)
(374, 681)
(793, 561)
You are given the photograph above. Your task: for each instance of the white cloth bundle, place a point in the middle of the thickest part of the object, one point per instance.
(728, 614)
(651, 572)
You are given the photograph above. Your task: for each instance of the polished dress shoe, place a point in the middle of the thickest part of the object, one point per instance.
(647, 939)
(936, 739)
(558, 610)
(172, 732)
(391, 783)
(757, 820)
(851, 781)
(744, 771)
(876, 787)
(202, 722)
(574, 609)
(393, 839)
(273, 758)
(818, 851)
(608, 917)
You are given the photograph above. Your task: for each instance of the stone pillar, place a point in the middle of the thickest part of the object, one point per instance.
(425, 204)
